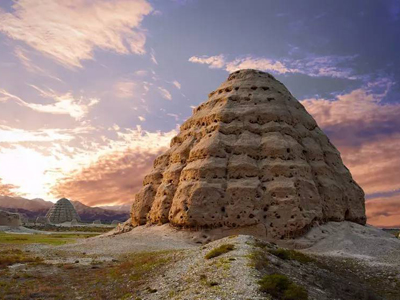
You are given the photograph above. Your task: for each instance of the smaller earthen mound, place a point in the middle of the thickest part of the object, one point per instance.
(62, 211)
(9, 219)
(97, 222)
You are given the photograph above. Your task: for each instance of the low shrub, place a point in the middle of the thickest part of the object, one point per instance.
(225, 248)
(286, 254)
(280, 287)
(295, 292)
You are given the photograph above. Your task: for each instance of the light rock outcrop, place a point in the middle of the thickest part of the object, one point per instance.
(250, 156)
(62, 211)
(9, 219)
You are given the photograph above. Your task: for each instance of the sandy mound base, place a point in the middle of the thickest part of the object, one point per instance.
(346, 239)
(20, 230)
(142, 238)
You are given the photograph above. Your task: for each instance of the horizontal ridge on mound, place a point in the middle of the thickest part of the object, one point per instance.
(249, 155)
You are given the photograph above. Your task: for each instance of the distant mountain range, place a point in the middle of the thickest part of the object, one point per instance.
(34, 208)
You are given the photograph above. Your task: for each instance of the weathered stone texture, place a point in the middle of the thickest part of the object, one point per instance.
(9, 219)
(250, 155)
(62, 211)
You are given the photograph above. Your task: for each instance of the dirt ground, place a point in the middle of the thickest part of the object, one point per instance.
(336, 261)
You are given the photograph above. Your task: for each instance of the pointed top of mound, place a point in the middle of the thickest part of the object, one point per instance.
(249, 157)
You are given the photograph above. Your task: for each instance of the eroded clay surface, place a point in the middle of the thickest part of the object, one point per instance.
(250, 155)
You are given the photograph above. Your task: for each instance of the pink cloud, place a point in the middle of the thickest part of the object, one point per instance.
(384, 212)
(8, 189)
(112, 179)
(70, 31)
(367, 133)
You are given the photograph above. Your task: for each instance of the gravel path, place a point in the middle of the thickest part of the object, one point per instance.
(226, 277)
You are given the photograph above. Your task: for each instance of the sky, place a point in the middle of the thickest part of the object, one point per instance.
(91, 91)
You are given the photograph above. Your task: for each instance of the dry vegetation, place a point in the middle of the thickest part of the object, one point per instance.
(225, 248)
(99, 280)
(50, 239)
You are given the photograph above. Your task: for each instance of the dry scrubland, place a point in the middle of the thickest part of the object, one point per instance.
(162, 263)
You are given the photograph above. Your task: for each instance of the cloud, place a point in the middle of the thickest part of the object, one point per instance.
(176, 84)
(384, 212)
(153, 56)
(23, 57)
(214, 62)
(125, 88)
(70, 31)
(356, 116)
(175, 116)
(375, 163)
(259, 64)
(65, 104)
(314, 66)
(164, 93)
(366, 130)
(116, 175)
(8, 189)
(21, 54)
(324, 66)
(15, 135)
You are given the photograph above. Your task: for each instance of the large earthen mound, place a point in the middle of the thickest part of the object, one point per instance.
(249, 156)
(62, 211)
(9, 219)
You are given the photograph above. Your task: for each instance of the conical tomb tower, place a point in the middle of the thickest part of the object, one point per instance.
(250, 155)
(62, 211)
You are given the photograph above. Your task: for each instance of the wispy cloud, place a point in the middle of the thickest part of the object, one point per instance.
(69, 31)
(126, 88)
(314, 66)
(65, 104)
(8, 189)
(260, 64)
(16, 135)
(366, 131)
(164, 93)
(214, 62)
(176, 84)
(23, 57)
(153, 56)
(384, 212)
(360, 111)
(117, 173)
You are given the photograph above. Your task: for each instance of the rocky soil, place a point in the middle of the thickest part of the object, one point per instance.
(336, 261)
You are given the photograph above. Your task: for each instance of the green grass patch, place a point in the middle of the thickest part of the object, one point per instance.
(14, 256)
(225, 248)
(55, 228)
(286, 254)
(280, 287)
(51, 239)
